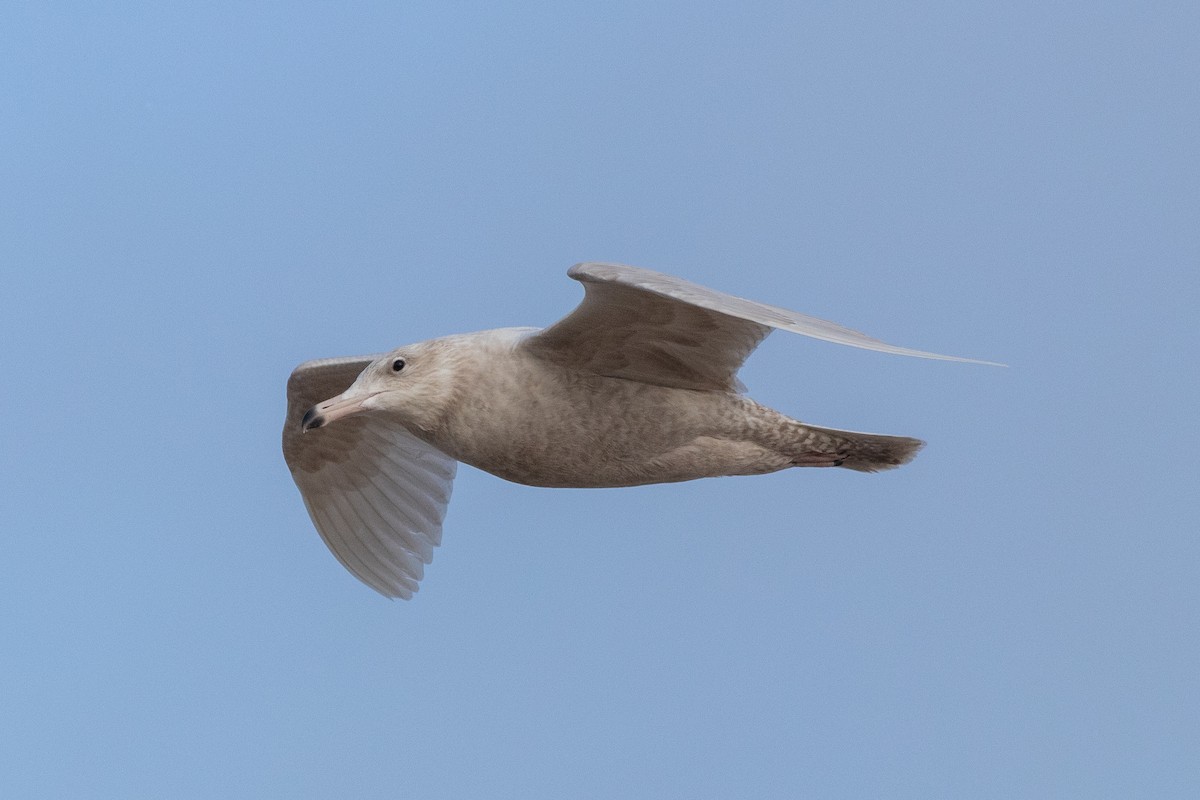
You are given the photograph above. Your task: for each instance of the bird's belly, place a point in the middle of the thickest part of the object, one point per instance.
(607, 433)
(703, 457)
(578, 455)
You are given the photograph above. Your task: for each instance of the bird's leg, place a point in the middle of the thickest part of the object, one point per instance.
(817, 460)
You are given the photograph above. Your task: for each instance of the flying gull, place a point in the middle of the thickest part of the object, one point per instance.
(637, 385)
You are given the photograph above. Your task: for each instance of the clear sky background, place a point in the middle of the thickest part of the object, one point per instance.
(194, 200)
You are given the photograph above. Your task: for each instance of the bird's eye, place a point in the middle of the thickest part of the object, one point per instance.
(398, 365)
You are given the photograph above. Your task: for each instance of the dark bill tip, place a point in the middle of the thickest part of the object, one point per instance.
(312, 419)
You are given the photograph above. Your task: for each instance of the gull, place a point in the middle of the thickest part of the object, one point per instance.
(637, 385)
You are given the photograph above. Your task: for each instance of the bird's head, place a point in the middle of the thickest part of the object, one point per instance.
(413, 384)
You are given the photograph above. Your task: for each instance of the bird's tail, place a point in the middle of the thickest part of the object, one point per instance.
(863, 452)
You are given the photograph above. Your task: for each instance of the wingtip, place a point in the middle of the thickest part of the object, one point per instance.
(982, 362)
(957, 359)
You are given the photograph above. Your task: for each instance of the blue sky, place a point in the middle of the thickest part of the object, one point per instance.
(196, 199)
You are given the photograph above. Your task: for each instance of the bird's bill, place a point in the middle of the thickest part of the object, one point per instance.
(344, 405)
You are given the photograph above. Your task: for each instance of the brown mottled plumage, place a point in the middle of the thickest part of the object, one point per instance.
(637, 385)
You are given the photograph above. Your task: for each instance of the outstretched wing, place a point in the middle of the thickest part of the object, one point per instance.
(647, 326)
(376, 493)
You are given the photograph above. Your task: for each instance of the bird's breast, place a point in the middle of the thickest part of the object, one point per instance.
(546, 426)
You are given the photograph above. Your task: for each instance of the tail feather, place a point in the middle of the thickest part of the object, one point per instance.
(865, 452)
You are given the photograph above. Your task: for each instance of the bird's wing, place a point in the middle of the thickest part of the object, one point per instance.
(646, 326)
(376, 493)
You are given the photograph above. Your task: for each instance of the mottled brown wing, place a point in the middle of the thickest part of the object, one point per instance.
(376, 494)
(647, 326)
(623, 329)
